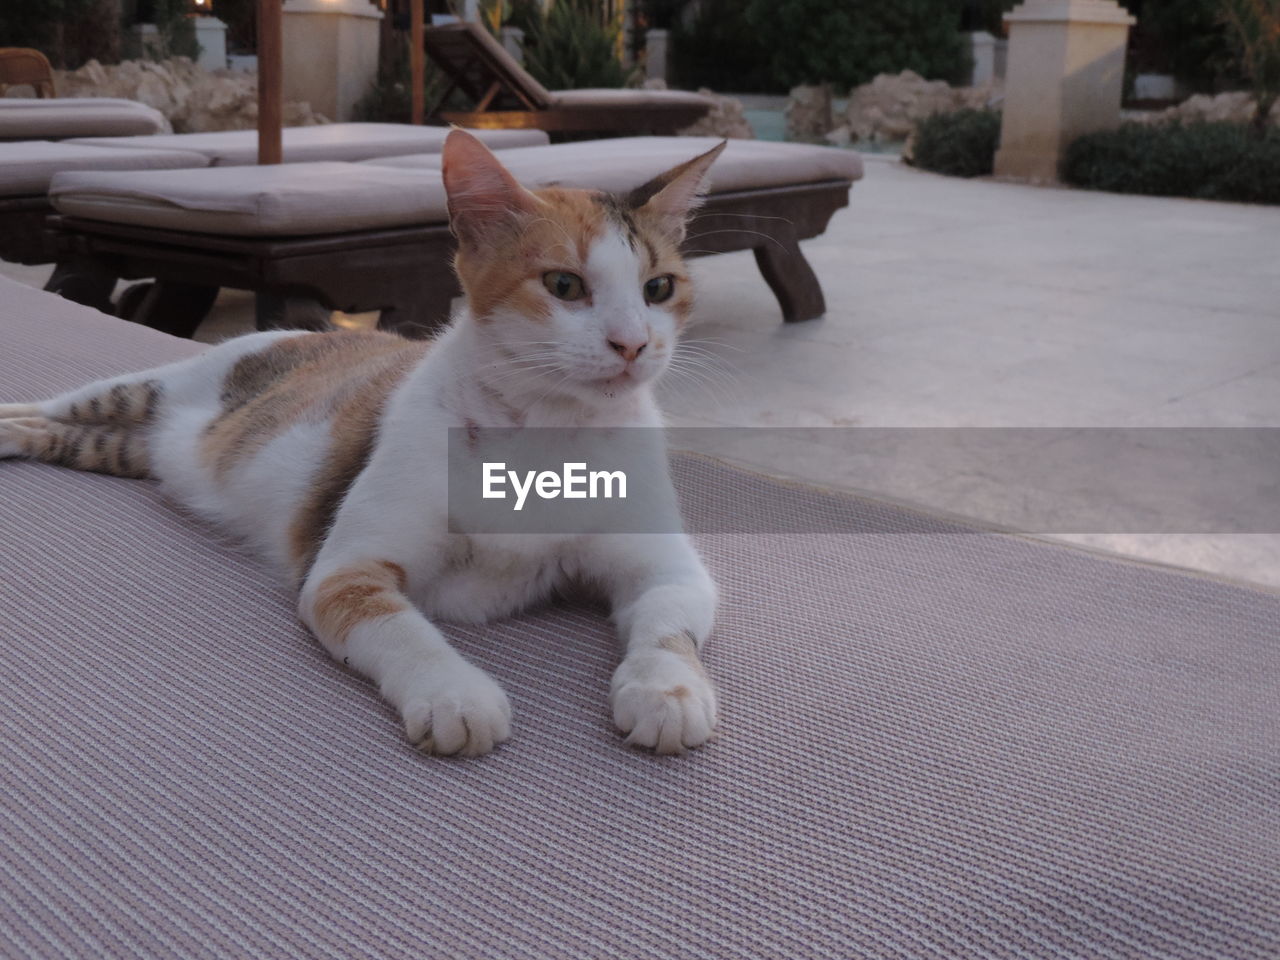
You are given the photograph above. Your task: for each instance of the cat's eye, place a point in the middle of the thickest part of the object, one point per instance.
(562, 285)
(659, 288)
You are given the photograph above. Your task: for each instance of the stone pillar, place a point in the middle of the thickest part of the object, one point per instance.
(1065, 77)
(990, 56)
(211, 34)
(330, 53)
(655, 55)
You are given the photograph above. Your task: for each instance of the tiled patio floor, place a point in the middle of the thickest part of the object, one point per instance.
(976, 303)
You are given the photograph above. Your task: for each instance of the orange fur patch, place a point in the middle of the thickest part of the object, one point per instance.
(352, 596)
(304, 379)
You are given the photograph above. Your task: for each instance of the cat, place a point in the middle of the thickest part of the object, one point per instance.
(322, 451)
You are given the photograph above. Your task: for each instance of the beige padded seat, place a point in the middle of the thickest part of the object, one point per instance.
(30, 119)
(627, 98)
(27, 167)
(298, 199)
(313, 198)
(624, 163)
(333, 141)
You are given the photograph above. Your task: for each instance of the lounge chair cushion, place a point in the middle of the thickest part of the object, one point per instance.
(626, 162)
(333, 141)
(306, 199)
(26, 167)
(615, 99)
(933, 744)
(30, 119)
(296, 199)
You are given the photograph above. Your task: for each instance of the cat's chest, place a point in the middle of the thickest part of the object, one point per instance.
(488, 576)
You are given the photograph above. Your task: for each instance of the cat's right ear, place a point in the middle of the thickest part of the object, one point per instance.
(484, 199)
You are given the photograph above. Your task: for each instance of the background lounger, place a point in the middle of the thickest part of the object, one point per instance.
(934, 744)
(368, 236)
(330, 141)
(28, 119)
(505, 95)
(26, 169)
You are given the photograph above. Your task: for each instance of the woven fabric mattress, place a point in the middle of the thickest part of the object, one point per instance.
(933, 745)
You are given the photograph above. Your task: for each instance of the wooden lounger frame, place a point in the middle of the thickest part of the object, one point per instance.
(504, 95)
(405, 271)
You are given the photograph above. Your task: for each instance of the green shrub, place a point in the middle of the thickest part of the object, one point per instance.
(720, 49)
(1212, 161)
(1189, 39)
(68, 32)
(848, 43)
(570, 46)
(175, 32)
(961, 144)
(387, 100)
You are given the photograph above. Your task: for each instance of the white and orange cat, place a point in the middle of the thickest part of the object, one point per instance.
(325, 452)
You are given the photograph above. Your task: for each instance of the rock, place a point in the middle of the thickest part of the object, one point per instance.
(725, 119)
(809, 116)
(191, 98)
(841, 136)
(889, 107)
(1236, 106)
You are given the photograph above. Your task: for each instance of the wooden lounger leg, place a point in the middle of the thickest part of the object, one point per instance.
(167, 305)
(792, 279)
(83, 281)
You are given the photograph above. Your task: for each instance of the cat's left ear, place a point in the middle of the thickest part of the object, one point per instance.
(670, 197)
(484, 199)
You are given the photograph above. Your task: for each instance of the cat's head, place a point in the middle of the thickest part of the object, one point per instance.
(587, 286)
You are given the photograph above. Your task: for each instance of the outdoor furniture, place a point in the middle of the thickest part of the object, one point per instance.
(329, 141)
(361, 237)
(933, 743)
(24, 67)
(25, 171)
(505, 95)
(28, 119)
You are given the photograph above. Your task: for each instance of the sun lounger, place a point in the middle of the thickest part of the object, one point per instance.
(330, 141)
(505, 95)
(28, 119)
(25, 171)
(933, 744)
(26, 168)
(360, 237)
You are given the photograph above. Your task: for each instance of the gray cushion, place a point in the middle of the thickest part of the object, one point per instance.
(31, 119)
(334, 141)
(622, 99)
(287, 199)
(623, 163)
(933, 744)
(303, 199)
(27, 166)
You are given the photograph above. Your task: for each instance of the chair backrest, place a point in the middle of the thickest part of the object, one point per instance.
(474, 61)
(22, 66)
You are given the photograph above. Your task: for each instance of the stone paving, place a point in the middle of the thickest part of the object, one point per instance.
(982, 304)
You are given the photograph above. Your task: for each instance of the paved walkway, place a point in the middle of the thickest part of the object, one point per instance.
(983, 304)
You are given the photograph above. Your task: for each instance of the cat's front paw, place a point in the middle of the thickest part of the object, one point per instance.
(663, 699)
(457, 709)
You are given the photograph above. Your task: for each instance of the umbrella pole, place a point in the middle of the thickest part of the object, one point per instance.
(270, 86)
(417, 64)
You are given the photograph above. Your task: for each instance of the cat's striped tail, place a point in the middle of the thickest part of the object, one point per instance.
(102, 427)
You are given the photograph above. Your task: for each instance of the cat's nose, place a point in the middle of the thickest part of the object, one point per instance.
(629, 349)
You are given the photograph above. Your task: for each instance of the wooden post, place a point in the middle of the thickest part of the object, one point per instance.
(270, 81)
(417, 64)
